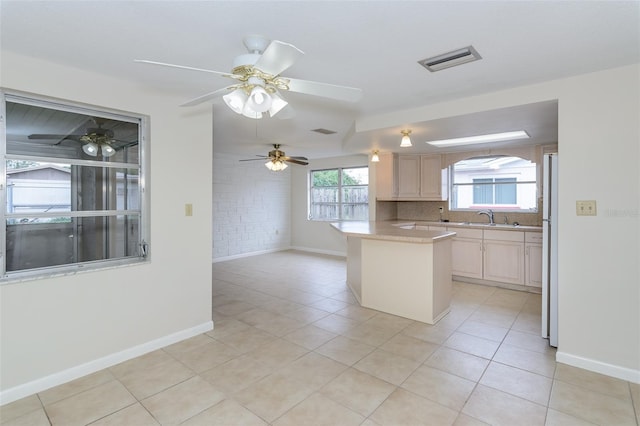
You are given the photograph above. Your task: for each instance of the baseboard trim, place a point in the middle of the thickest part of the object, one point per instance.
(616, 371)
(248, 254)
(44, 383)
(320, 251)
(258, 253)
(517, 287)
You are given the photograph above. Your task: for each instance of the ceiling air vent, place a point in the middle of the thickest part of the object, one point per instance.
(324, 131)
(451, 59)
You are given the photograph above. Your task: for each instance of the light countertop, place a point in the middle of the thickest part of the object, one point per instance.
(473, 225)
(387, 231)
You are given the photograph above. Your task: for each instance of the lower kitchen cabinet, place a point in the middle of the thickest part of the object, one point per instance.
(504, 261)
(466, 253)
(533, 259)
(496, 256)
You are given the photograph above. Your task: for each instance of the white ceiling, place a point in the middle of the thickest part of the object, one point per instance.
(372, 45)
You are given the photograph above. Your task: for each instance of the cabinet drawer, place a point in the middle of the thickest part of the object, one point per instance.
(437, 228)
(466, 233)
(491, 234)
(533, 237)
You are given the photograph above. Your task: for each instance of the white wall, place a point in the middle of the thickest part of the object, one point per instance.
(60, 328)
(313, 235)
(599, 257)
(251, 207)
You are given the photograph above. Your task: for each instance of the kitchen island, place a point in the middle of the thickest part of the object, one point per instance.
(399, 271)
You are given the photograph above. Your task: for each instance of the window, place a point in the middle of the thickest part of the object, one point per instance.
(339, 194)
(499, 182)
(494, 191)
(74, 194)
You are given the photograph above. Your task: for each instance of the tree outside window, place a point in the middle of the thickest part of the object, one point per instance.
(339, 194)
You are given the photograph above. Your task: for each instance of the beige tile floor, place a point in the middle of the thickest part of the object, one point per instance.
(292, 347)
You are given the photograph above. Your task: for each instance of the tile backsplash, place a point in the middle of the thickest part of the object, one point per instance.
(429, 211)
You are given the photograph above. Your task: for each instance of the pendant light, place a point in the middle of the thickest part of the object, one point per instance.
(406, 140)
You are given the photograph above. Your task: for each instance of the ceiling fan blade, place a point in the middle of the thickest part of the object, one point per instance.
(144, 61)
(207, 96)
(254, 159)
(299, 158)
(52, 137)
(341, 93)
(277, 57)
(291, 160)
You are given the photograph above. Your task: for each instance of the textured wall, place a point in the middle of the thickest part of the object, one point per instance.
(251, 207)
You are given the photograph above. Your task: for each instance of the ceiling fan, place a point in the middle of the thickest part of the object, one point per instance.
(94, 140)
(278, 159)
(258, 80)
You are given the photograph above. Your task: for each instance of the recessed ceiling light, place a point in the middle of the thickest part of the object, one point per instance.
(494, 137)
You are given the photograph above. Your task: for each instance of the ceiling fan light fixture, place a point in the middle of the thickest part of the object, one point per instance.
(90, 148)
(259, 100)
(405, 142)
(277, 103)
(107, 150)
(275, 165)
(248, 112)
(236, 100)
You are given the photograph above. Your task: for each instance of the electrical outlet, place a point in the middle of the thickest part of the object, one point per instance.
(441, 209)
(586, 208)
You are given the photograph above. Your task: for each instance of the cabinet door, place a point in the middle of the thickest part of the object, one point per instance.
(466, 257)
(504, 261)
(533, 265)
(431, 177)
(409, 176)
(387, 176)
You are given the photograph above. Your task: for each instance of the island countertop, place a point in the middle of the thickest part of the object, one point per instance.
(387, 231)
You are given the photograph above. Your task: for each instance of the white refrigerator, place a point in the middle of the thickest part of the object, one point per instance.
(550, 249)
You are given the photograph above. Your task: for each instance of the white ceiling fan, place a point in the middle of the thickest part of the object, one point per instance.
(258, 80)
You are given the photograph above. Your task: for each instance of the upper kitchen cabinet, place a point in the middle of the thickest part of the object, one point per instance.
(433, 182)
(410, 177)
(387, 177)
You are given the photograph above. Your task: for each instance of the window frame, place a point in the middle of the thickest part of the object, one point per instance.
(506, 208)
(340, 187)
(142, 214)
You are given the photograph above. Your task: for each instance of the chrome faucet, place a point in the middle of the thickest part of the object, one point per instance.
(488, 213)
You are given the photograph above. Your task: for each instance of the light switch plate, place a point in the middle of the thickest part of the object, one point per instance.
(188, 209)
(586, 208)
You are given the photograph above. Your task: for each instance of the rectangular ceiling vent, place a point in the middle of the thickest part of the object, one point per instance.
(324, 131)
(451, 59)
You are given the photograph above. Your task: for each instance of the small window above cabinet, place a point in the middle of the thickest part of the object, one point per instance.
(410, 178)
